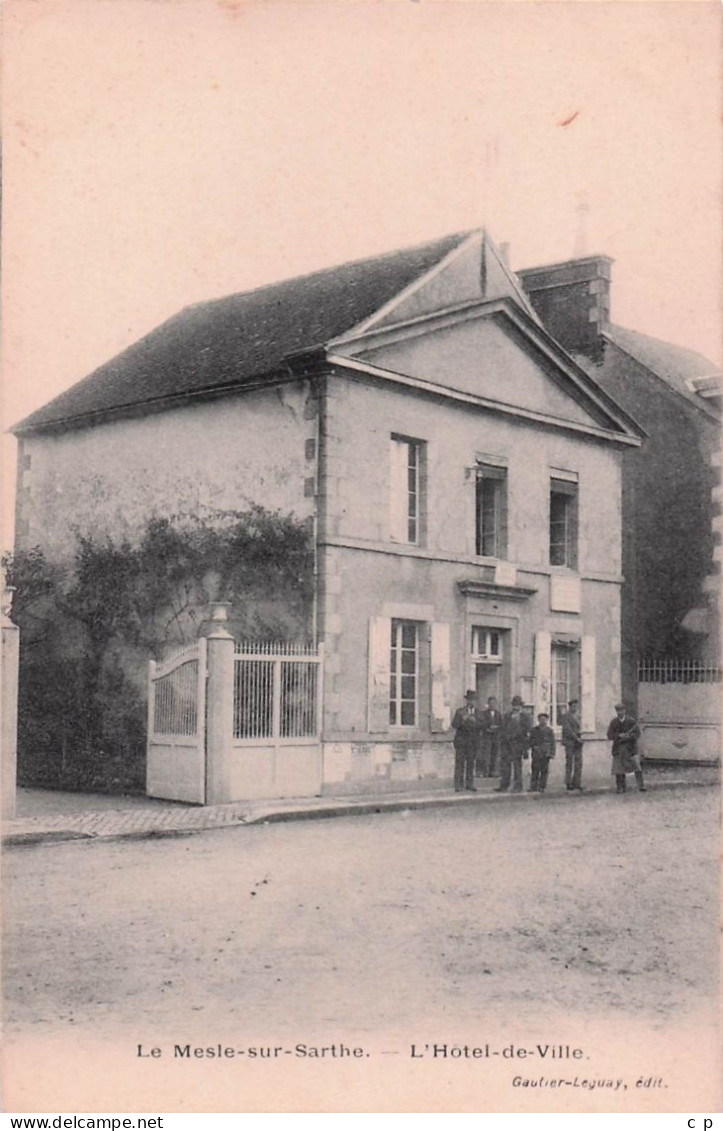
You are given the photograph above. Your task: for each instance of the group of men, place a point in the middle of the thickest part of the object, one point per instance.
(488, 743)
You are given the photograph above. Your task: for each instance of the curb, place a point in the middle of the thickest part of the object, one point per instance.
(311, 812)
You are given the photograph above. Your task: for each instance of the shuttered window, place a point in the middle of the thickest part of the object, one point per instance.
(491, 511)
(563, 523)
(404, 673)
(406, 467)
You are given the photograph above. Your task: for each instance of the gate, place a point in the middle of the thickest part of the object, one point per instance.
(176, 756)
(276, 747)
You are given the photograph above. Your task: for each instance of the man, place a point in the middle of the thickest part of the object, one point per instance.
(467, 723)
(542, 749)
(491, 720)
(514, 742)
(572, 741)
(624, 733)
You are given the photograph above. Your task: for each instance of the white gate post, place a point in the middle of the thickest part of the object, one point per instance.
(219, 708)
(9, 662)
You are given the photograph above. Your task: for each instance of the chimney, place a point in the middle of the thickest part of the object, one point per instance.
(572, 300)
(505, 253)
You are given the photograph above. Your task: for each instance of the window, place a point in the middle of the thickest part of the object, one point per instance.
(491, 511)
(563, 522)
(565, 682)
(406, 460)
(404, 673)
(487, 644)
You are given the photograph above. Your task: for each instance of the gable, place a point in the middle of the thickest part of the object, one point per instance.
(471, 272)
(482, 356)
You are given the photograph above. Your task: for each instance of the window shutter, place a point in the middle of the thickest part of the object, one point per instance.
(574, 535)
(398, 490)
(543, 671)
(587, 664)
(380, 642)
(502, 551)
(441, 692)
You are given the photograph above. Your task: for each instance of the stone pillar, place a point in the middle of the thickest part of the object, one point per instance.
(9, 672)
(219, 707)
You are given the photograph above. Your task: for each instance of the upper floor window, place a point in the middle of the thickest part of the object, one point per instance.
(404, 673)
(406, 488)
(563, 521)
(491, 511)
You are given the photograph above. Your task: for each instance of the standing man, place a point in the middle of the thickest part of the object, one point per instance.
(542, 748)
(514, 743)
(491, 720)
(572, 741)
(624, 733)
(467, 723)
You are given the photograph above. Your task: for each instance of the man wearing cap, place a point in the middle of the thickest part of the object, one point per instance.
(468, 724)
(572, 741)
(514, 744)
(624, 733)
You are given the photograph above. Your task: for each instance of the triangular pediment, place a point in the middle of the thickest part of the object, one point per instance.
(473, 272)
(490, 354)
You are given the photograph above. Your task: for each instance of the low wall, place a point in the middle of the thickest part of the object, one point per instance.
(679, 702)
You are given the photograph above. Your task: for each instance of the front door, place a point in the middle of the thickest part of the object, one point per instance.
(488, 682)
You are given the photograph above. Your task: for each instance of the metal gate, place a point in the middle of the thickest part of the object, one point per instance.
(176, 757)
(277, 720)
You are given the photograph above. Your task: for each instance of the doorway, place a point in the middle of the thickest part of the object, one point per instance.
(487, 682)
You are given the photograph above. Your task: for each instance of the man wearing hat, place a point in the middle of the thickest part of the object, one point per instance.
(514, 744)
(572, 741)
(468, 725)
(624, 733)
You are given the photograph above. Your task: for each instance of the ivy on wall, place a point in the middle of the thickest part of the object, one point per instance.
(88, 629)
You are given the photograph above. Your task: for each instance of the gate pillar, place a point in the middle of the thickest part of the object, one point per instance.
(219, 707)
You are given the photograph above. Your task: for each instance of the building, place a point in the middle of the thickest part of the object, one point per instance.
(670, 561)
(462, 470)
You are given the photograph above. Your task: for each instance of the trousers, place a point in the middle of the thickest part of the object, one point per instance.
(510, 764)
(540, 768)
(464, 760)
(573, 766)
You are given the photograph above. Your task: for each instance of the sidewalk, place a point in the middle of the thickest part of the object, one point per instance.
(47, 816)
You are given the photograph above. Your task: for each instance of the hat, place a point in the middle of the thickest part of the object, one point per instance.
(470, 694)
(516, 701)
(620, 707)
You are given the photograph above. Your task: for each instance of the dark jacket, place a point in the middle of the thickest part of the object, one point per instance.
(491, 721)
(571, 732)
(542, 742)
(624, 734)
(515, 732)
(467, 728)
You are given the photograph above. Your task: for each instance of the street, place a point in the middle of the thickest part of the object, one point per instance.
(581, 904)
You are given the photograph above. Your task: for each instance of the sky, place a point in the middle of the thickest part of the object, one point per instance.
(162, 152)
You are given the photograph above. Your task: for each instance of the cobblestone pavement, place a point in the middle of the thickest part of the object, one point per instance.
(45, 816)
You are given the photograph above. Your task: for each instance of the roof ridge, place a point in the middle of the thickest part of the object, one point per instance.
(293, 280)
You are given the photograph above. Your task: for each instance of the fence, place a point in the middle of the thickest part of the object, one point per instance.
(677, 671)
(276, 690)
(679, 710)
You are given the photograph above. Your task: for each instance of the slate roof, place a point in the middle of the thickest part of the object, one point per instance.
(673, 364)
(240, 339)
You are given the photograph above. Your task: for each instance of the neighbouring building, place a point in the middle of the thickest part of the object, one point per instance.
(671, 501)
(462, 470)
